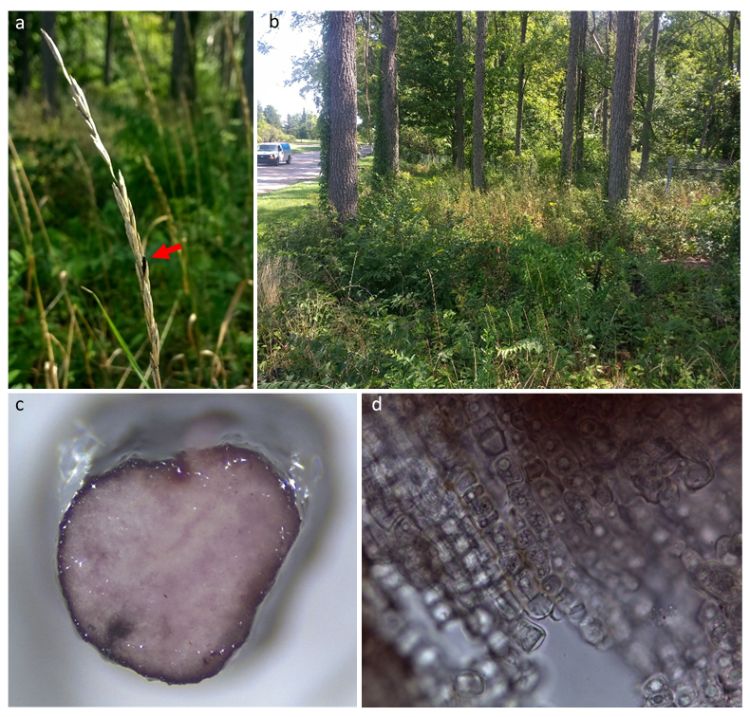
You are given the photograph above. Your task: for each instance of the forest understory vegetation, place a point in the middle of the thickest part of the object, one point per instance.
(529, 284)
(553, 202)
(76, 317)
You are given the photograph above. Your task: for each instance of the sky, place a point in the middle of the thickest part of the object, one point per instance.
(274, 68)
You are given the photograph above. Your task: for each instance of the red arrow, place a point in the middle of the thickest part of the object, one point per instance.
(164, 251)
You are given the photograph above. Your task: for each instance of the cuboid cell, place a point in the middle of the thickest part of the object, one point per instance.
(697, 474)
(535, 468)
(492, 441)
(468, 682)
(503, 469)
(539, 607)
(657, 692)
(528, 635)
(552, 585)
(464, 481)
(685, 695)
(506, 604)
(593, 631)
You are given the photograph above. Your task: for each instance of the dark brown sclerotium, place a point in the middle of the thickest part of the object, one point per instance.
(164, 564)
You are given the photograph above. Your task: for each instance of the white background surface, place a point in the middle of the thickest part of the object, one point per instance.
(272, 70)
(302, 650)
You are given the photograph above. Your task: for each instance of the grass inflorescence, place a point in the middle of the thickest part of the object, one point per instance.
(77, 317)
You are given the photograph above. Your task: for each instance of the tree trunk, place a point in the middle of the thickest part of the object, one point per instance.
(577, 20)
(730, 39)
(459, 141)
(521, 86)
(50, 102)
(623, 94)
(366, 66)
(477, 129)
(22, 65)
(580, 98)
(647, 132)
(248, 54)
(605, 98)
(108, 48)
(183, 56)
(340, 49)
(225, 62)
(386, 137)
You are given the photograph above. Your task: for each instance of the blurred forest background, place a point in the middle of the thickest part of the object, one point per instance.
(171, 95)
(554, 201)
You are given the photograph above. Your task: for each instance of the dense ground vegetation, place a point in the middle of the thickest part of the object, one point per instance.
(526, 285)
(536, 281)
(172, 121)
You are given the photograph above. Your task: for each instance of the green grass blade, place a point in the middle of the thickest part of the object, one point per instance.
(120, 340)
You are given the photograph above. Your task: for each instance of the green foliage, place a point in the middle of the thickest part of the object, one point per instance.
(203, 204)
(435, 286)
(302, 125)
(697, 101)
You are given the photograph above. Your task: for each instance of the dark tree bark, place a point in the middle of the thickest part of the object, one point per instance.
(623, 94)
(248, 53)
(225, 61)
(477, 129)
(108, 47)
(577, 24)
(366, 68)
(734, 94)
(459, 140)
(183, 55)
(50, 102)
(21, 62)
(340, 48)
(580, 97)
(386, 137)
(521, 86)
(647, 132)
(605, 92)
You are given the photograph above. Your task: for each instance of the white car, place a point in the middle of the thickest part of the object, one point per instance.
(274, 153)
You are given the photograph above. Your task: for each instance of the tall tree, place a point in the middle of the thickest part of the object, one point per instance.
(225, 61)
(580, 97)
(521, 85)
(730, 39)
(50, 102)
(182, 80)
(477, 129)
(386, 137)
(577, 29)
(108, 31)
(623, 94)
(248, 53)
(340, 113)
(606, 88)
(366, 75)
(459, 141)
(647, 131)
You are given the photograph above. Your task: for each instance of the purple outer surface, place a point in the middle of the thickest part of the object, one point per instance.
(164, 564)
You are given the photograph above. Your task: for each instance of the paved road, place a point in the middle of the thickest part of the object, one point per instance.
(305, 167)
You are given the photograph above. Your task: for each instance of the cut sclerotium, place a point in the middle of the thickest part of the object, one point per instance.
(164, 564)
